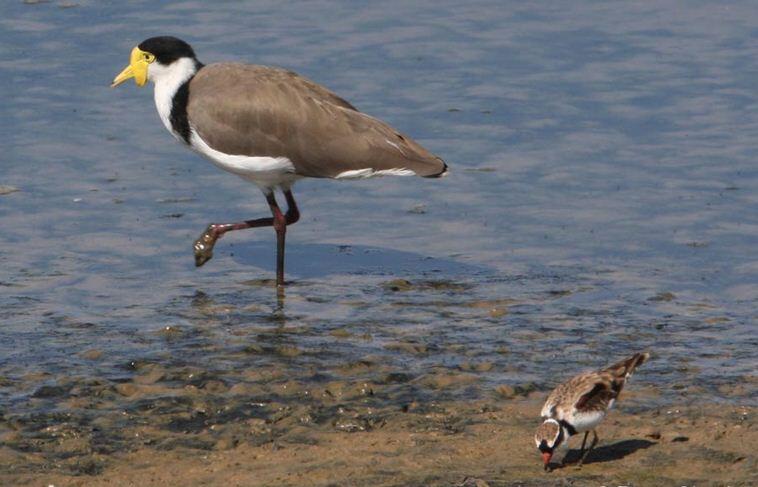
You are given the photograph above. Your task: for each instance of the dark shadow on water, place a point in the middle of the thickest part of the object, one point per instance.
(308, 261)
(608, 453)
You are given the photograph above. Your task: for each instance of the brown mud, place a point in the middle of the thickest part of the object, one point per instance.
(332, 436)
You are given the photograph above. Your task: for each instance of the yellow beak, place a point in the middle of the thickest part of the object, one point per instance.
(137, 69)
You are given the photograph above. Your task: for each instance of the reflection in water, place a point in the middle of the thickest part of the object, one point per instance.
(279, 311)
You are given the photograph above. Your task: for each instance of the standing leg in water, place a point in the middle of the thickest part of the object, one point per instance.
(203, 246)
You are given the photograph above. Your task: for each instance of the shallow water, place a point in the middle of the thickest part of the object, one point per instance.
(602, 200)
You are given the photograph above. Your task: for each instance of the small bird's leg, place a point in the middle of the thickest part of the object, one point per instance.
(584, 440)
(592, 445)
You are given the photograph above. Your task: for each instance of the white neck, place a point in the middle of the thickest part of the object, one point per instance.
(167, 81)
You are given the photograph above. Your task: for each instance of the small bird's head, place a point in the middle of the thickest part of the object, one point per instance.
(157, 58)
(549, 437)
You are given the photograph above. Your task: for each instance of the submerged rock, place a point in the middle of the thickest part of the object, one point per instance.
(398, 285)
(50, 391)
(663, 296)
(92, 354)
(126, 389)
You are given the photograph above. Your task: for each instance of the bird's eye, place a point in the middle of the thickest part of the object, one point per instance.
(149, 57)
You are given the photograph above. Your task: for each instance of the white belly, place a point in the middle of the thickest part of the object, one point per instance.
(266, 172)
(586, 421)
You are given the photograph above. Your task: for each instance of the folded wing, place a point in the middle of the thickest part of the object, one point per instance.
(260, 111)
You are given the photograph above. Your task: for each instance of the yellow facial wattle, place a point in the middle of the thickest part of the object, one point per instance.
(137, 68)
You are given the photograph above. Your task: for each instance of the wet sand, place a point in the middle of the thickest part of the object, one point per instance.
(448, 444)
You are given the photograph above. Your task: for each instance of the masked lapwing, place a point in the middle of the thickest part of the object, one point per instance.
(269, 126)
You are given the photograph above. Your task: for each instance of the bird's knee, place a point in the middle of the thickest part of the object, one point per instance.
(293, 215)
(280, 223)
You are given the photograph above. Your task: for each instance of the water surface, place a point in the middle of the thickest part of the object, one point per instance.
(602, 200)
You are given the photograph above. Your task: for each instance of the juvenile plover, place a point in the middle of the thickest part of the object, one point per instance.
(579, 405)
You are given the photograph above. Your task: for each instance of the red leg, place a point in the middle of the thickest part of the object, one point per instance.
(203, 246)
(293, 214)
(280, 225)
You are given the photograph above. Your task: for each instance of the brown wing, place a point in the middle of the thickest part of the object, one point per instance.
(591, 391)
(598, 397)
(623, 369)
(262, 111)
(586, 392)
(608, 383)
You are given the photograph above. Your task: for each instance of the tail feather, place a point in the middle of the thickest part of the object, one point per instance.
(623, 369)
(441, 171)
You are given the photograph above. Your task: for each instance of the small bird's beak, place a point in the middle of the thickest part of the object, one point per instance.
(546, 458)
(137, 69)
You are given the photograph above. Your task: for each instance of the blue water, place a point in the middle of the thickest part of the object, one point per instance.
(602, 198)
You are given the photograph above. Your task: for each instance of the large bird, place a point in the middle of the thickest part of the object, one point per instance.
(269, 126)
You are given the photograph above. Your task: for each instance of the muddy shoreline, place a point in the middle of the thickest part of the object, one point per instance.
(446, 444)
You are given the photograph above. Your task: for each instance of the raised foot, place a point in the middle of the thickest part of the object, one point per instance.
(203, 246)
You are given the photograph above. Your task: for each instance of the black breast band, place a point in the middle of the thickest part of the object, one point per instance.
(178, 117)
(569, 428)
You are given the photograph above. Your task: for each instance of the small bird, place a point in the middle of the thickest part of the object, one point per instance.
(579, 405)
(269, 126)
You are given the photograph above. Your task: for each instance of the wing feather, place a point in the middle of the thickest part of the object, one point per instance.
(263, 111)
(596, 399)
